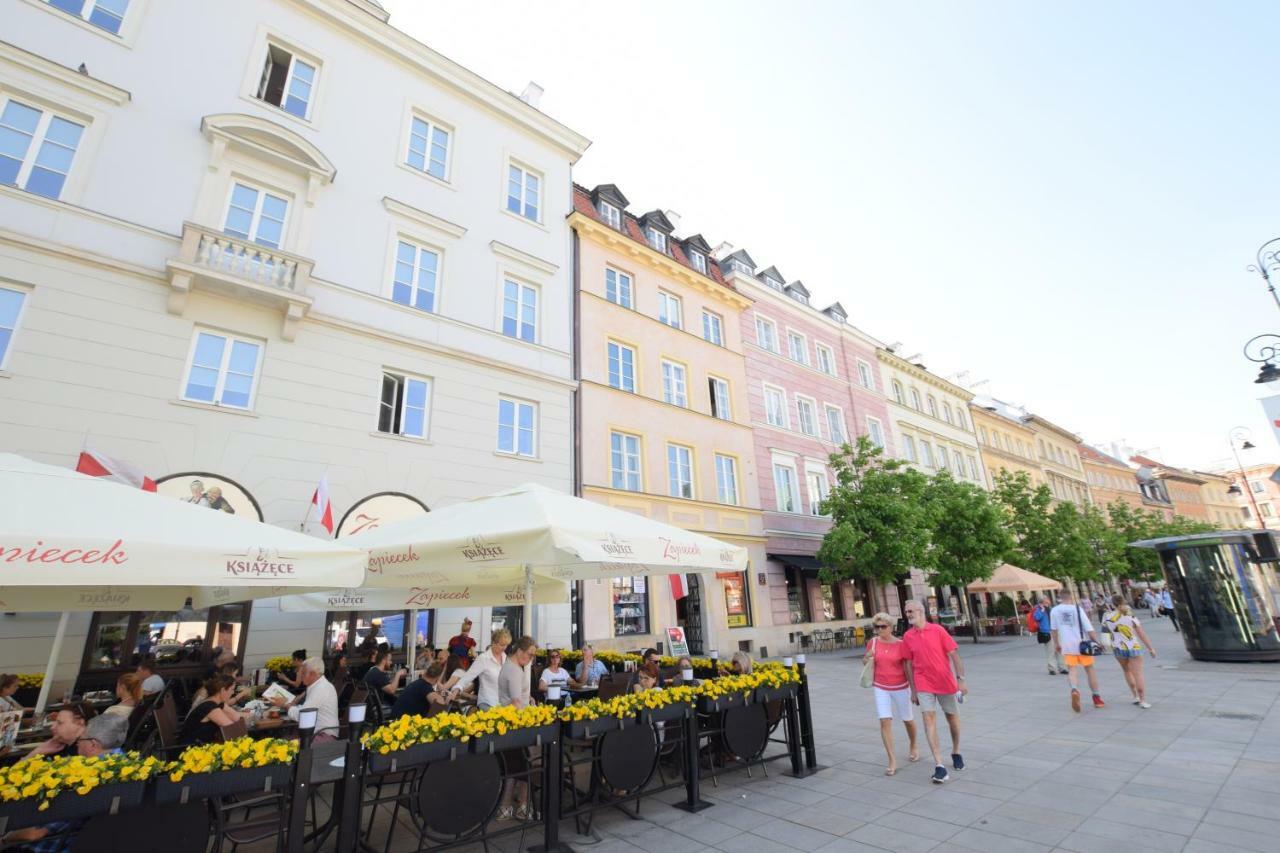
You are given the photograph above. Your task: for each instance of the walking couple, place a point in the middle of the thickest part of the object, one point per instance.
(916, 670)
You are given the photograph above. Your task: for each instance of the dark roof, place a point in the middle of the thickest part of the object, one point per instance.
(835, 308)
(657, 219)
(798, 287)
(1093, 454)
(740, 255)
(611, 194)
(773, 273)
(697, 244)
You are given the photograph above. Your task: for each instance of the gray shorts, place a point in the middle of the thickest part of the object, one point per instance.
(931, 702)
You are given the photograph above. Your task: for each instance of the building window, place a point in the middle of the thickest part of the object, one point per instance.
(622, 367)
(865, 379)
(742, 268)
(926, 454)
(946, 413)
(679, 471)
(36, 149)
(104, 14)
(624, 461)
(523, 188)
(630, 606)
(807, 417)
(982, 435)
(933, 406)
(1256, 487)
(726, 479)
(713, 328)
(784, 482)
(256, 215)
(669, 310)
(656, 239)
(611, 215)
(517, 427)
(674, 389)
(915, 400)
(775, 406)
(519, 311)
(1265, 509)
(287, 81)
(178, 639)
(875, 432)
(699, 261)
(11, 302)
(719, 398)
(416, 277)
(835, 426)
(766, 334)
(909, 448)
(737, 600)
(944, 460)
(428, 148)
(797, 348)
(960, 422)
(797, 596)
(826, 359)
(818, 490)
(405, 407)
(617, 287)
(222, 370)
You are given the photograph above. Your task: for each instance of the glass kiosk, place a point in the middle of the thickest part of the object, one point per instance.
(1226, 592)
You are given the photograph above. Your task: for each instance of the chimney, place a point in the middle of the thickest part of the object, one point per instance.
(673, 218)
(722, 251)
(532, 94)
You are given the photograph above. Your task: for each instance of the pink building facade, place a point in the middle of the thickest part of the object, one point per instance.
(813, 383)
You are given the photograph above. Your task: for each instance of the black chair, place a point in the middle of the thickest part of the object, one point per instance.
(176, 826)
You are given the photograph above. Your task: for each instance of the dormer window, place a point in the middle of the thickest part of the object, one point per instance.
(740, 267)
(611, 215)
(657, 239)
(774, 283)
(699, 262)
(799, 297)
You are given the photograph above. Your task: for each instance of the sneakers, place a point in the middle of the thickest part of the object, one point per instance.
(1062, 671)
(957, 761)
(940, 775)
(1144, 704)
(1097, 701)
(1053, 672)
(1075, 701)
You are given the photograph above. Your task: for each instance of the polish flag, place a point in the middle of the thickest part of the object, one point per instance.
(324, 507)
(97, 464)
(679, 586)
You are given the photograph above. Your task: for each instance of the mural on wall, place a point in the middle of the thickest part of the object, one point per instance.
(378, 509)
(210, 490)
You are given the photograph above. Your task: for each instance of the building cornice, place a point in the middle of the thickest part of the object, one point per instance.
(683, 503)
(761, 293)
(613, 239)
(62, 75)
(1052, 427)
(923, 374)
(421, 217)
(1010, 423)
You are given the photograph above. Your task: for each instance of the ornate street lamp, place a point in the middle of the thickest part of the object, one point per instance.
(1264, 350)
(1268, 262)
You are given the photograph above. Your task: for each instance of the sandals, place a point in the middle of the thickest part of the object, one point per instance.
(913, 757)
(889, 771)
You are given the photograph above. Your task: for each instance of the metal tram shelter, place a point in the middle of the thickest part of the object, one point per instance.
(1226, 592)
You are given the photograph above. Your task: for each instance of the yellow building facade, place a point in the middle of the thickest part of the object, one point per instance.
(1058, 454)
(1110, 479)
(1005, 442)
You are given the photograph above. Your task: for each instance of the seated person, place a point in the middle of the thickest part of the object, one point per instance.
(231, 670)
(381, 681)
(648, 656)
(299, 655)
(151, 683)
(207, 718)
(424, 695)
(68, 727)
(646, 678)
(554, 675)
(8, 686)
(129, 692)
(677, 680)
(741, 663)
(590, 670)
(337, 667)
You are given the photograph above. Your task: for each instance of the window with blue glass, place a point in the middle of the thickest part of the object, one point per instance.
(428, 148)
(617, 287)
(622, 367)
(223, 370)
(405, 405)
(10, 309)
(104, 14)
(519, 311)
(523, 192)
(624, 461)
(257, 215)
(36, 148)
(287, 82)
(517, 427)
(416, 276)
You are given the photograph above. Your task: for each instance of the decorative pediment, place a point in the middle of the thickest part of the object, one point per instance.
(264, 138)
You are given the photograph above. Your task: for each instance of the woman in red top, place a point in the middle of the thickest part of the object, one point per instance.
(892, 686)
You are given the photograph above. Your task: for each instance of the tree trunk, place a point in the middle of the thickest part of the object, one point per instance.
(968, 611)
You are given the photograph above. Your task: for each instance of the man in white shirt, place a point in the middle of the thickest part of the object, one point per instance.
(484, 672)
(151, 683)
(1166, 606)
(1069, 625)
(320, 695)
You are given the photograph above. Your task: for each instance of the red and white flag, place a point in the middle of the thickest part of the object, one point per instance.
(679, 586)
(323, 506)
(97, 464)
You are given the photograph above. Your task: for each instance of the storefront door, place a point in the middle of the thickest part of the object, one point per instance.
(689, 615)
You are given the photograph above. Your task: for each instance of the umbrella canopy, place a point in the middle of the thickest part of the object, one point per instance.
(86, 599)
(63, 532)
(493, 540)
(1009, 578)
(546, 591)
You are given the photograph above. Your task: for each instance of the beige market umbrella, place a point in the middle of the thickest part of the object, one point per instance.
(1009, 578)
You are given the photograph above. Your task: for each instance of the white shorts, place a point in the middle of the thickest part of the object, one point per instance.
(893, 703)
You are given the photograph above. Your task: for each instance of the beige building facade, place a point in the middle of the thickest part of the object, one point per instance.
(1006, 443)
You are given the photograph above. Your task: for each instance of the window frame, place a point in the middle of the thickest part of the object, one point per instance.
(626, 472)
(762, 321)
(712, 320)
(24, 295)
(679, 448)
(916, 402)
(792, 337)
(826, 358)
(406, 378)
(909, 452)
(669, 394)
(721, 481)
(522, 287)
(712, 382)
(874, 426)
(866, 378)
(803, 401)
(296, 54)
(931, 404)
(793, 493)
(698, 261)
(635, 357)
(419, 246)
(432, 124)
(255, 220)
(665, 299)
(829, 410)
(517, 403)
(129, 643)
(926, 455)
(618, 276)
(899, 396)
(768, 415)
(811, 474)
(525, 172)
(656, 239)
(83, 18)
(39, 136)
(220, 386)
(611, 214)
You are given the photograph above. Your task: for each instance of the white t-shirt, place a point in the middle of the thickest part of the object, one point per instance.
(1065, 619)
(550, 679)
(153, 684)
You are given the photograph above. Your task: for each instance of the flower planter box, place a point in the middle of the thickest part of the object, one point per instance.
(776, 694)
(674, 711)
(732, 700)
(68, 805)
(583, 729)
(519, 738)
(418, 754)
(221, 783)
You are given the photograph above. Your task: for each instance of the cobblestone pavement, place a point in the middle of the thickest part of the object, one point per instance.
(1199, 771)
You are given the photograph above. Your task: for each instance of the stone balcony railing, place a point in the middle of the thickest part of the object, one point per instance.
(217, 262)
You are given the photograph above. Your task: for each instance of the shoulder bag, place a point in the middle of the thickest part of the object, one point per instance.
(869, 668)
(1087, 647)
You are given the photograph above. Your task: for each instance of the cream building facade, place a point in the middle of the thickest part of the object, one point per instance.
(220, 277)
(1007, 444)
(1058, 452)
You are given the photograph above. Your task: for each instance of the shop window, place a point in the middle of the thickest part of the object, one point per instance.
(797, 599)
(832, 603)
(737, 599)
(359, 632)
(630, 606)
(181, 640)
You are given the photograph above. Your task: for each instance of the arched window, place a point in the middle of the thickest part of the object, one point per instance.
(933, 406)
(915, 399)
(960, 419)
(946, 413)
(897, 392)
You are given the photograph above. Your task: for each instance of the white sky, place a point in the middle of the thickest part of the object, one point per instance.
(1060, 198)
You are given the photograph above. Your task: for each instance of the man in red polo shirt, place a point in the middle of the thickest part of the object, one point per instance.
(933, 654)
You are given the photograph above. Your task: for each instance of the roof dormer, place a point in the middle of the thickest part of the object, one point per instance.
(610, 203)
(697, 250)
(773, 277)
(738, 262)
(836, 312)
(657, 229)
(797, 291)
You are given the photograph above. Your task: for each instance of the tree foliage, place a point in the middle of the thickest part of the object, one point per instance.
(967, 536)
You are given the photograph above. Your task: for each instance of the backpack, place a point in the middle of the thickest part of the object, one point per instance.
(1032, 625)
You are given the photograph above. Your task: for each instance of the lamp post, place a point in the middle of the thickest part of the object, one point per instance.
(1268, 261)
(1240, 435)
(1264, 350)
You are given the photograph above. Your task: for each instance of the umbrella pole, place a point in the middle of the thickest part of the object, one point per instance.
(528, 598)
(411, 653)
(54, 654)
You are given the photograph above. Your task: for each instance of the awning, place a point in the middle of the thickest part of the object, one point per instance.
(807, 563)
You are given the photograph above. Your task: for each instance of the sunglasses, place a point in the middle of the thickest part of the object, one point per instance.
(878, 627)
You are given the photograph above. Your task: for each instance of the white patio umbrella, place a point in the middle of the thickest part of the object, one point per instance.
(66, 538)
(530, 534)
